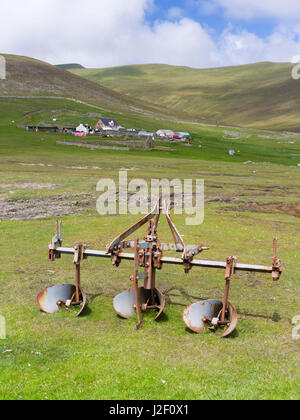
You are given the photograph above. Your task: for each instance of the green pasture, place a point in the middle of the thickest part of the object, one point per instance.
(100, 356)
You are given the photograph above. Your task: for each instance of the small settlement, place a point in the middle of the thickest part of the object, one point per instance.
(109, 127)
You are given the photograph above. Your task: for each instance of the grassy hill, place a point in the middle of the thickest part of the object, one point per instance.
(261, 95)
(30, 77)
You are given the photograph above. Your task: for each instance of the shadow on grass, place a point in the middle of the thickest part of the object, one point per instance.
(92, 297)
(275, 317)
(163, 317)
(233, 335)
(86, 312)
(183, 293)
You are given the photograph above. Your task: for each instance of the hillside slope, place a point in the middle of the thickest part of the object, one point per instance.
(262, 95)
(30, 77)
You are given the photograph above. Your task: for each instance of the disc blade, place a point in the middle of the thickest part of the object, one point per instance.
(233, 318)
(161, 302)
(123, 304)
(83, 301)
(48, 298)
(193, 315)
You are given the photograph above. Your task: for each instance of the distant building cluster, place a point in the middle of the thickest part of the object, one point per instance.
(104, 126)
(166, 134)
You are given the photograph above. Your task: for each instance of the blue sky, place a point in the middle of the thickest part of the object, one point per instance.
(195, 33)
(214, 18)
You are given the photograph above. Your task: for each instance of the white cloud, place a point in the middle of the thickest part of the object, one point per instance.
(296, 59)
(245, 47)
(175, 13)
(249, 9)
(206, 7)
(95, 31)
(102, 33)
(179, 43)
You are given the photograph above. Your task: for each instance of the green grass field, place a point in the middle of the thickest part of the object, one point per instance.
(99, 356)
(261, 95)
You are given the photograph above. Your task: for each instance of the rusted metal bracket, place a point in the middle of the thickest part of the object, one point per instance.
(136, 287)
(189, 251)
(230, 267)
(277, 269)
(114, 248)
(56, 243)
(78, 257)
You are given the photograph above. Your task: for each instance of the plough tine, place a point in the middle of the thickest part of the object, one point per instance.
(136, 287)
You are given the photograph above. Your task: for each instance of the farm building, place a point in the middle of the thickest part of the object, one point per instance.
(107, 124)
(68, 130)
(82, 129)
(43, 129)
(145, 134)
(165, 133)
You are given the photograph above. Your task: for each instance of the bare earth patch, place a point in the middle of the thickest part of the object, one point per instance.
(29, 185)
(43, 207)
(289, 209)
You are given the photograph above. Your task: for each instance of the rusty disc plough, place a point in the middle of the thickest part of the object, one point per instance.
(148, 257)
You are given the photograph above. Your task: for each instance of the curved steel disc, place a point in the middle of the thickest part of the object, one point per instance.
(233, 318)
(47, 299)
(124, 302)
(193, 315)
(84, 301)
(161, 302)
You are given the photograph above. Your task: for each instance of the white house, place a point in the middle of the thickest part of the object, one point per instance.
(107, 124)
(145, 134)
(165, 133)
(82, 129)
